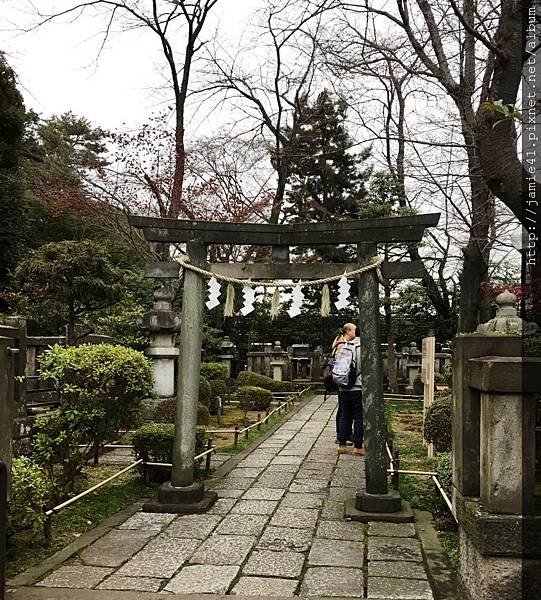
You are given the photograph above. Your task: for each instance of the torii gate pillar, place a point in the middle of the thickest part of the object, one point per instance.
(182, 494)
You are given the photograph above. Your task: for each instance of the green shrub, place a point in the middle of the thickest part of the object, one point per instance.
(204, 391)
(254, 379)
(101, 388)
(203, 415)
(30, 496)
(109, 381)
(153, 442)
(214, 370)
(218, 389)
(165, 412)
(254, 398)
(418, 386)
(439, 422)
(440, 378)
(531, 346)
(444, 469)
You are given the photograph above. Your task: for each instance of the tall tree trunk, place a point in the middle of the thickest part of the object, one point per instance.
(473, 300)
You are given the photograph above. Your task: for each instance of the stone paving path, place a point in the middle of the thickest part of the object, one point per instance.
(278, 529)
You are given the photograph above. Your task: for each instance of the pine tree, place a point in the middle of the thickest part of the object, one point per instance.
(12, 122)
(327, 179)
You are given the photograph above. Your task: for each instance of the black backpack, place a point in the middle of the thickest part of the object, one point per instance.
(326, 371)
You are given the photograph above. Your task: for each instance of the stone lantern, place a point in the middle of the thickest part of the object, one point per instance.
(227, 355)
(162, 324)
(506, 321)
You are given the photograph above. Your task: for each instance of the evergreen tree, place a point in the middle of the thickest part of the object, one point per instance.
(327, 179)
(12, 120)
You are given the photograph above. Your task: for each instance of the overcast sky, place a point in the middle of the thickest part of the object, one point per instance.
(58, 71)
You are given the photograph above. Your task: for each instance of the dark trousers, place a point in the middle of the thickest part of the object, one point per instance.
(350, 411)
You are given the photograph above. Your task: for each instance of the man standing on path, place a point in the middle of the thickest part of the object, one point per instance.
(347, 375)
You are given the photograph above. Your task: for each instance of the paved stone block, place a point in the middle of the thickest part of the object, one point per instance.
(223, 550)
(115, 547)
(396, 568)
(76, 576)
(281, 469)
(285, 539)
(399, 589)
(265, 586)
(302, 518)
(222, 506)
(301, 501)
(147, 521)
(336, 530)
(263, 494)
(238, 483)
(321, 458)
(336, 553)
(275, 479)
(301, 452)
(242, 525)
(332, 510)
(228, 493)
(392, 548)
(305, 486)
(274, 564)
(246, 472)
(195, 527)
(139, 584)
(253, 461)
(254, 507)
(202, 579)
(391, 529)
(333, 581)
(287, 460)
(161, 557)
(342, 494)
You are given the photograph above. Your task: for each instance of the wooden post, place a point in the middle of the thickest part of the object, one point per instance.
(427, 376)
(182, 474)
(259, 421)
(396, 468)
(236, 436)
(372, 375)
(208, 458)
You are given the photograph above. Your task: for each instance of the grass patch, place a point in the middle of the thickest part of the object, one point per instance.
(70, 523)
(449, 541)
(255, 433)
(406, 422)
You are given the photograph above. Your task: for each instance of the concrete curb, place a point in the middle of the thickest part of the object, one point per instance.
(443, 578)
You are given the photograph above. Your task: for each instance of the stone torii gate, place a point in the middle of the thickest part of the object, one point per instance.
(182, 494)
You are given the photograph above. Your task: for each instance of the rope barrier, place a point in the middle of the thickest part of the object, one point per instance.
(375, 264)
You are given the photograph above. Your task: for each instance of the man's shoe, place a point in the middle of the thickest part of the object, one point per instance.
(341, 450)
(358, 451)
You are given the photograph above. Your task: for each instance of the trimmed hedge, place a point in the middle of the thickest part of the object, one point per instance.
(165, 412)
(439, 423)
(205, 393)
(153, 442)
(218, 390)
(444, 469)
(213, 371)
(30, 496)
(254, 398)
(255, 379)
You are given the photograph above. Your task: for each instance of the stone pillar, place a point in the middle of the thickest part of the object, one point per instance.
(277, 370)
(376, 502)
(500, 537)
(162, 324)
(413, 365)
(8, 406)
(228, 355)
(182, 494)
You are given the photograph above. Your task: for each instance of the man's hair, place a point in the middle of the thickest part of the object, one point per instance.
(349, 326)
